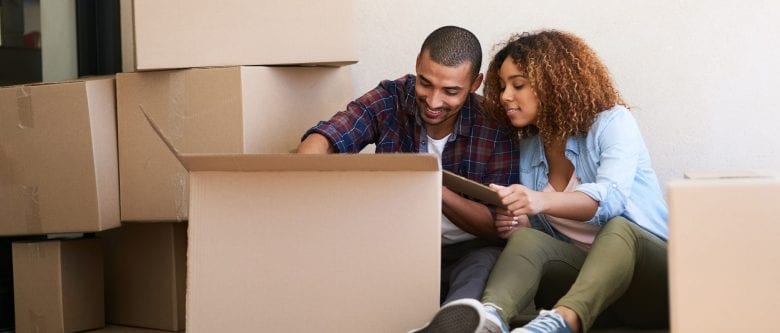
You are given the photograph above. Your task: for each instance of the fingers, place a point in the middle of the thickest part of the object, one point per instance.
(505, 220)
(515, 198)
(523, 221)
(496, 187)
(503, 211)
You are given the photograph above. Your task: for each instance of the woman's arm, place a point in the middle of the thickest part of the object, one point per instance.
(569, 205)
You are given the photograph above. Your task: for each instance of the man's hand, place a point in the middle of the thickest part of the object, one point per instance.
(506, 223)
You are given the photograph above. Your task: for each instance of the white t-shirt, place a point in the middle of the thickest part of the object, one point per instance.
(450, 233)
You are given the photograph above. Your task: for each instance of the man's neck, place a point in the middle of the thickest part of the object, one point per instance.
(438, 133)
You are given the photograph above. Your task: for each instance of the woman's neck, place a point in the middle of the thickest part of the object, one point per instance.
(560, 168)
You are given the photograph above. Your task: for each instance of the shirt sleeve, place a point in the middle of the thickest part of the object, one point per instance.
(503, 166)
(619, 147)
(349, 131)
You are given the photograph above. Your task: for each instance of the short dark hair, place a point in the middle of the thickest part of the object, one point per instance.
(452, 46)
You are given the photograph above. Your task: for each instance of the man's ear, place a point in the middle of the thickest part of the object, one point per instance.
(477, 82)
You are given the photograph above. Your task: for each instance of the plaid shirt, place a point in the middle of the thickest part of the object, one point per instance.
(388, 117)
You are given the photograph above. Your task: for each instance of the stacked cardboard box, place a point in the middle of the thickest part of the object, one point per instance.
(58, 158)
(201, 33)
(145, 274)
(58, 174)
(237, 110)
(58, 285)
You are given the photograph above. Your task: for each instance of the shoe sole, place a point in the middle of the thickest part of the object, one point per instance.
(460, 318)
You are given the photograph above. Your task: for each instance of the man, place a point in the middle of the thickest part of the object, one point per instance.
(436, 111)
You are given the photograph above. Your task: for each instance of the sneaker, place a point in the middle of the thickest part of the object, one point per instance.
(546, 322)
(459, 316)
(493, 322)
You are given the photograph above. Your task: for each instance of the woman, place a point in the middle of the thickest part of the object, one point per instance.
(595, 245)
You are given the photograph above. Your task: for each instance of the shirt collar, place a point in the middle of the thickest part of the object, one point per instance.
(538, 158)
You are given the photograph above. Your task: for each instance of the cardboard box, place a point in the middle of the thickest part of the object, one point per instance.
(58, 158)
(146, 267)
(199, 33)
(213, 110)
(326, 243)
(58, 285)
(722, 249)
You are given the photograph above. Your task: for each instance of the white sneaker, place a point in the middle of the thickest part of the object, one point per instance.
(459, 316)
(493, 322)
(546, 322)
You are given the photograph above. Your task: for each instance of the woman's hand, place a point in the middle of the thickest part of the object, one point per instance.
(506, 223)
(520, 200)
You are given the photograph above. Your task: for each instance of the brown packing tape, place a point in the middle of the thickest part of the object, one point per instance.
(174, 133)
(32, 209)
(36, 319)
(181, 199)
(24, 107)
(6, 169)
(177, 112)
(176, 115)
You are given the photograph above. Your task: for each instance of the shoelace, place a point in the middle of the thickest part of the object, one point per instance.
(492, 316)
(547, 320)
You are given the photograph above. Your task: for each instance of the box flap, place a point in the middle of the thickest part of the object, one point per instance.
(728, 174)
(294, 162)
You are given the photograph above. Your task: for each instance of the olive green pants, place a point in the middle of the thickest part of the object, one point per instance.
(622, 281)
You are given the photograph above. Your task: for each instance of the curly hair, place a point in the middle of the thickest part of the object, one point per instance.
(569, 80)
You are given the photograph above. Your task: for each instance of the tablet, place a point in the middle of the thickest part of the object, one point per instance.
(470, 188)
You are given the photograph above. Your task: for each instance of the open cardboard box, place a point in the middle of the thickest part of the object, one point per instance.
(326, 243)
(723, 234)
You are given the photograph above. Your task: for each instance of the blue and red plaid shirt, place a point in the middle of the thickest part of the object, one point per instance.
(388, 116)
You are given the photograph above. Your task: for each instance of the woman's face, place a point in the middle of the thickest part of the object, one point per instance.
(517, 97)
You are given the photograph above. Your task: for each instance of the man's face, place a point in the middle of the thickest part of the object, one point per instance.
(441, 91)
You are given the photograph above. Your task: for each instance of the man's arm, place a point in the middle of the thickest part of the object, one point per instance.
(470, 216)
(315, 143)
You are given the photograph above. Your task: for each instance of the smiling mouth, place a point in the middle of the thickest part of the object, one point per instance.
(433, 113)
(512, 110)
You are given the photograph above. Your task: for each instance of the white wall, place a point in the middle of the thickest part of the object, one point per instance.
(700, 74)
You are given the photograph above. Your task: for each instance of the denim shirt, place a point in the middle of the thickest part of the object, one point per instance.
(613, 166)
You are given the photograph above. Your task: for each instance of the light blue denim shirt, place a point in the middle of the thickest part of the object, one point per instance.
(613, 166)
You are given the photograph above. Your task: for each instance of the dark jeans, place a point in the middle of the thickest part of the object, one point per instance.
(465, 268)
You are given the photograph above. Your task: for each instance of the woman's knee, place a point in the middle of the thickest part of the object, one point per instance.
(620, 226)
(527, 237)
